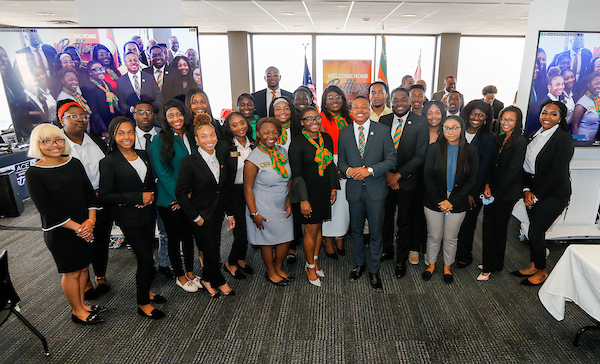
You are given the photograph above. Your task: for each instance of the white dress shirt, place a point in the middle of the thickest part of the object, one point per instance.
(51, 103)
(140, 140)
(44, 66)
(140, 167)
(244, 153)
(540, 138)
(89, 154)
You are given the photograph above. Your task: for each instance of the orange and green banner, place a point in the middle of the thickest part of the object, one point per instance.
(353, 77)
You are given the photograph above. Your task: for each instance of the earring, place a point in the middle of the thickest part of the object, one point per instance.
(197, 144)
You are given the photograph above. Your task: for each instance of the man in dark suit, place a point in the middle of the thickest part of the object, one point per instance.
(579, 55)
(135, 86)
(366, 153)
(263, 98)
(449, 85)
(43, 54)
(167, 77)
(410, 136)
(140, 43)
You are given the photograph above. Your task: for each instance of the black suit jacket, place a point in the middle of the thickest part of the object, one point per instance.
(128, 98)
(379, 155)
(260, 101)
(435, 179)
(121, 187)
(29, 115)
(506, 177)
(209, 198)
(552, 177)
(412, 148)
(50, 54)
(101, 115)
(172, 82)
(586, 57)
(484, 142)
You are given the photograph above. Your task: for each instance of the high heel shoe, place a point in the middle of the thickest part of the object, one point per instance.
(217, 293)
(281, 283)
(231, 292)
(319, 272)
(316, 282)
(331, 255)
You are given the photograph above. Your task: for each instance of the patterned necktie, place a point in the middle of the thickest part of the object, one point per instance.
(274, 94)
(40, 60)
(575, 64)
(159, 79)
(148, 137)
(136, 85)
(361, 140)
(397, 134)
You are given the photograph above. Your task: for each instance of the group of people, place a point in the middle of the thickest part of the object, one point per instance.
(283, 172)
(106, 86)
(573, 78)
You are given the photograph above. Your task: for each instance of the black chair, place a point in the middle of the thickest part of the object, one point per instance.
(9, 301)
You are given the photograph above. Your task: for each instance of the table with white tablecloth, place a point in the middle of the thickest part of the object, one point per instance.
(575, 278)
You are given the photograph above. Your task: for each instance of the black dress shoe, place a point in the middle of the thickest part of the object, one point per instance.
(357, 272)
(92, 319)
(341, 252)
(527, 282)
(332, 255)
(96, 309)
(289, 278)
(448, 278)
(167, 272)
(281, 283)
(237, 275)
(375, 281)
(102, 288)
(155, 315)
(290, 259)
(247, 269)
(386, 256)
(400, 270)
(519, 274)
(158, 299)
(91, 294)
(462, 264)
(426, 275)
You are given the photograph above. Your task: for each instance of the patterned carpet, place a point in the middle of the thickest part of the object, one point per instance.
(411, 321)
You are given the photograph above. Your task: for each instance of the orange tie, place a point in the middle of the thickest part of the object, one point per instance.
(274, 94)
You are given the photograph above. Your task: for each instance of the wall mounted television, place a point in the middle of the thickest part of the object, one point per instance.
(31, 60)
(567, 68)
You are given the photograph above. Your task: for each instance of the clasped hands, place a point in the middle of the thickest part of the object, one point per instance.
(147, 199)
(392, 180)
(445, 206)
(86, 231)
(358, 173)
(529, 198)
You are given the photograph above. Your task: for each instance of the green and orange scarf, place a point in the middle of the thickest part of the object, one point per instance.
(277, 159)
(80, 100)
(339, 120)
(111, 98)
(284, 135)
(596, 100)
(323, 156)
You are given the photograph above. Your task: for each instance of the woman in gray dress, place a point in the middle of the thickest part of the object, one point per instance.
(266, 185)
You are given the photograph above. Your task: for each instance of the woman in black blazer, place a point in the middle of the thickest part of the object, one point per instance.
(127, 183)
(450, 171)
(101, 98)
(238, 145)
(203, 175)
(479, 116)
(547, 184)
(505, 186)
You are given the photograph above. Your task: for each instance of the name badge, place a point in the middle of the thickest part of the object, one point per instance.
(234, 154)
(265, 164)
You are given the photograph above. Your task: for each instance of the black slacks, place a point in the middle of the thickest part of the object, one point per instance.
(404, 200)
(495, 221)
(104, 220)
(179, 234)
(208, 238)
(464, 253)
(141, 239)
(240, 236)
(541, 216)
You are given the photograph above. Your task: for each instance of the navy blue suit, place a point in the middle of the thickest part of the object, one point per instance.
(128, 98)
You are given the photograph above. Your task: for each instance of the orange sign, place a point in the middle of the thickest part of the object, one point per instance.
(353, 77)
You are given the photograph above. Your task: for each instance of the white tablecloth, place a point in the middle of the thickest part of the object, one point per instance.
(576, 277)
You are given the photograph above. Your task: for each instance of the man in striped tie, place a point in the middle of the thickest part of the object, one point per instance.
(167, 77)
(410, 136)
(135, 86)
(366, 153)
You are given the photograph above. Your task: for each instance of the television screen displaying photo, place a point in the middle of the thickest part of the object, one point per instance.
(107, 70)
(567, 69)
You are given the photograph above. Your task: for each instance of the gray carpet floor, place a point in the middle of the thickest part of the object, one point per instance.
(411, 321)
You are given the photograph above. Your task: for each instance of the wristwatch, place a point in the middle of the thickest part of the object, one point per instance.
(253, 214)
(371, 172)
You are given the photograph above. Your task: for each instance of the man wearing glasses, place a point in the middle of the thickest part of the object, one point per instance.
(264, 97)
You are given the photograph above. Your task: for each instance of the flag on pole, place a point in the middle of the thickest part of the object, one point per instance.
(418, 70)
(307, 81)
(382, 74)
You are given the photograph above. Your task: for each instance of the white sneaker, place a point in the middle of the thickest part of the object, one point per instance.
(189, 286)
(196, 282)
(413, 257)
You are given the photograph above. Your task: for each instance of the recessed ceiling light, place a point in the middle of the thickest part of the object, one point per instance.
(409, 15)
(341, 6)
(288, 13)
(524, 17)
(45, 13)
(366, 20)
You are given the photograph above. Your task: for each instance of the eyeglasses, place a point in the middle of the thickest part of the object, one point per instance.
(101, 69)
(503, 119)
(48, 143)
(454, 128)
(145, 112)
(336, 97)
(312, 119)
(75, 117)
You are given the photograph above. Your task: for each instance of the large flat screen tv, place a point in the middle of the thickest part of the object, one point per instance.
(567, 68)
(35, 64)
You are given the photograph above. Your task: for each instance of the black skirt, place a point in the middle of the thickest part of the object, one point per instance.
(319, 199)
(70, 252)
